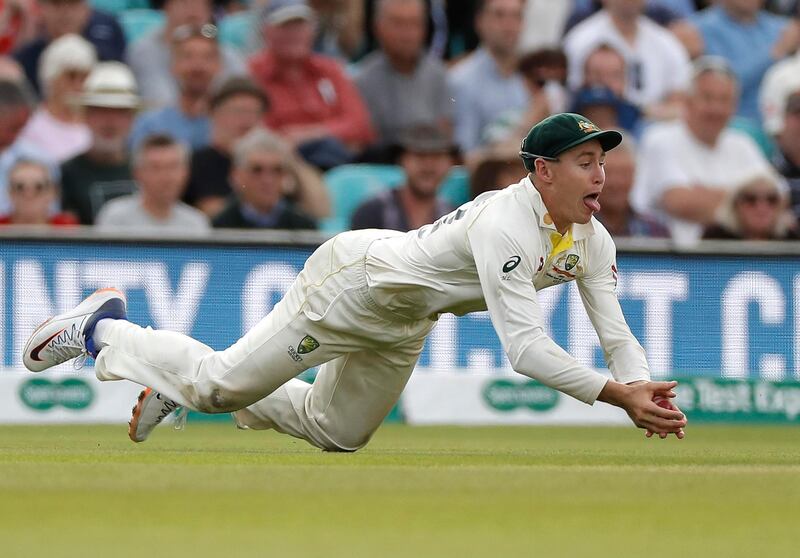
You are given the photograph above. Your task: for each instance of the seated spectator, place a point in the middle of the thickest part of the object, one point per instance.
(755, 210)
(401, 84)
(780, 102)
(606, 109)
(494, 171)
(686, 167)
(64, 17)
(57, 128)
(150, 57)
(616, 212)
(16, 105)
(235, 108)
(605, 66)
(751, 39)
(195, 66)
(488, 90)
(427, 156)
(102, 172)
(32, 194)
(160, 167)
(263, 167)
(313, 104)
(658, 65)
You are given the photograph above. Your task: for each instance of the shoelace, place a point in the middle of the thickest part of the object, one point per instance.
(181, 414)
(65, 345)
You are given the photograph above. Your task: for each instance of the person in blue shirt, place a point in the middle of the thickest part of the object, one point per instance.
(751, 39)
(196, 62)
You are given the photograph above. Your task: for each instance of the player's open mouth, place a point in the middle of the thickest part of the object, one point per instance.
(591, 202)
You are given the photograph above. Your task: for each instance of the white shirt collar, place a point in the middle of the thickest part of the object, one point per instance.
(579, 231)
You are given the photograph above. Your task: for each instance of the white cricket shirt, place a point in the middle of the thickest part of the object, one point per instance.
(494, 253)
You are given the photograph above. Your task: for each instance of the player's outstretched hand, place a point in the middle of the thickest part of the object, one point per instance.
(644, 403)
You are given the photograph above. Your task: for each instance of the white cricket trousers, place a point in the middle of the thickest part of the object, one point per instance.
(367, 356)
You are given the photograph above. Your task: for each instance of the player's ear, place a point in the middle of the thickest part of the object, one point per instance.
(543, 170)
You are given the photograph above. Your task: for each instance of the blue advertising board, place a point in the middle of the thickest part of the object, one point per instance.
(696, 315)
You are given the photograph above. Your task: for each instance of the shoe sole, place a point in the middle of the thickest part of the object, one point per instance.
(136, 414)
(27, 349)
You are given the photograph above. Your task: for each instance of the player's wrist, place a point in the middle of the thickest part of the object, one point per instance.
(613, 393)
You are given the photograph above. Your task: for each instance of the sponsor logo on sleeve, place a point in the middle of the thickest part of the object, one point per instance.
(511, 264)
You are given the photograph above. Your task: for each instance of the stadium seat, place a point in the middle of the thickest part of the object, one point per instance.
(117, 7)
(136, 23)
(238, 31)
(350, 185)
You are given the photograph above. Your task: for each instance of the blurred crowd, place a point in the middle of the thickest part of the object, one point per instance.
(189, 115)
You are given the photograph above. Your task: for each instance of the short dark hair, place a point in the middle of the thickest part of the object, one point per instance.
(15, 94)
(157, 141)
(238, 86)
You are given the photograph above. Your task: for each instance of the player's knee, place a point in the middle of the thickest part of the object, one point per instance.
(212, 398)
(337, 440)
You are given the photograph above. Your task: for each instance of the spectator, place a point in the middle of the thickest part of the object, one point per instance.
(102, 172)
(606, 109)
(751, 39)
(780, 106)
(605, 66)
(150, 57)
(313, 104)
(686, 167)
(494, 171)
(263, 167)
(488, 90)
(57, 128)
(16, 105)
(340, 28)
(427, 156)
(195, 65)
(658, 65)
(616, 212)
(64, 17)
(32, 193)
(401, 84)
(755, 210)
(235, 108)
(160, 167)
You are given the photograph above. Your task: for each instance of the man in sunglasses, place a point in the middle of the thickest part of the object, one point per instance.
(366, 300)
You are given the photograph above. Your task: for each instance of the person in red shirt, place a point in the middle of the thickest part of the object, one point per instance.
(32, 194)
(313, 104)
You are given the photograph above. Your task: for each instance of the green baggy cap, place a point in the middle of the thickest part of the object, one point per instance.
(559, 132)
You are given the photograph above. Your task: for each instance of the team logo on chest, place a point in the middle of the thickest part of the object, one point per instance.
(563, 268)
(571, 260)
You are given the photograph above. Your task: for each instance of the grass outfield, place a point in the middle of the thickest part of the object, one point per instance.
(86, 491)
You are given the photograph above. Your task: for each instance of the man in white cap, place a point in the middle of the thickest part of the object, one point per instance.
(102, 172)
(57, 128)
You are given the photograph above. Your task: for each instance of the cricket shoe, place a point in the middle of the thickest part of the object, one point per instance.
(69, 335)
(150, 410)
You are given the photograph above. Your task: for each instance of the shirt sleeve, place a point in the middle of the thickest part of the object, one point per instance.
(624, 355)
(513, 307)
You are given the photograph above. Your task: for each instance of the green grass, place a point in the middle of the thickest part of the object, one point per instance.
(86, 491)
